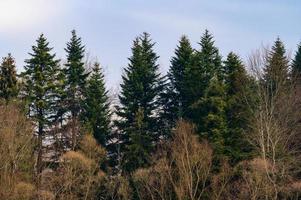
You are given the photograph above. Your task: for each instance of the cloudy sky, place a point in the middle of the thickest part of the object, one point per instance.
(109, 26)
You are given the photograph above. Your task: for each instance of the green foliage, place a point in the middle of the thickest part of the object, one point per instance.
(239, 97)
(40, 84)
(276, 71)
(206, 64)
(212, 116)
(8, 78)
(140, 146)
(76, 77)
(174, 96)
(141, 86)
(96, 106)
(296, 65)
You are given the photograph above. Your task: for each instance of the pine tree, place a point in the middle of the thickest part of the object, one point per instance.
(173, 97)
(205, 65)
(139, 103)
(96, 106)
(76, 77)
(296, 65)
(8, 78)
(40, 89)
(239, 97)
(276, 71)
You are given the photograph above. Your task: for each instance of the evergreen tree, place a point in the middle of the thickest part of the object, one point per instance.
(173, 97)
(212, 118)
(296, 65)
(276, 71)
(76, 77)
(40, 89)
(96, 106)
(140, 89)
(205, 65)
(8, 78)
(239, 95)
(138, 151)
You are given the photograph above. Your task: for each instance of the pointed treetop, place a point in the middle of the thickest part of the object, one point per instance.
(296, 65)
(8, 78)
(207, 40)
(276, 71)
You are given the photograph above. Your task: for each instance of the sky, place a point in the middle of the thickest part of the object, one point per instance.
(108, 27)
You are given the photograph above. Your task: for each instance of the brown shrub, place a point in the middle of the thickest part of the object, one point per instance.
(23, 191)
(16, 149)
(183, 171)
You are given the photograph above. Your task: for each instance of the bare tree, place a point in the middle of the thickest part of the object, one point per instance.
(182, 172)
(16, 152)
(274, 128)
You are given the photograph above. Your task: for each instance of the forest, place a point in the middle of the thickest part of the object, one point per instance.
(212, 127)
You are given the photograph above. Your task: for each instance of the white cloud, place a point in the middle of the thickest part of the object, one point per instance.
(18, 15)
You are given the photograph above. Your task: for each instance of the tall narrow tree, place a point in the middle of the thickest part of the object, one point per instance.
(205, 65)
(138, 104)
(276, 71)
(239, 97)
(76, 77)
(74, 88)
(174, 94)
(8, 78)
(40, 89)
(96, 106)
(296, 65)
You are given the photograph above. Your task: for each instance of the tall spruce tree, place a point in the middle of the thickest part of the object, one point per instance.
(40, 89)
(174, 95)
(239, 96)
(96, 106)
(140, 89)
(8, 78)
(276, 70)
(205, 65)
(76, 77)
(296, 66)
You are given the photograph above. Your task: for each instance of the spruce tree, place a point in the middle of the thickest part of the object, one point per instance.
(206, 64)
(40, 89)
(276, 70)
(174, 95)
(96, 106)
(239, 96)
(140, 90)
(296, 65)
(212, 116)
(76, 77)
(8, 78)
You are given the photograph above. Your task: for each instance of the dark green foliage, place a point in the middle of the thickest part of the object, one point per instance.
(212, 115)
(205, 64)
(276, 71)
(8, 78)
(296, 65)
(140, 89)
(239, 99)
(76, 77)
(96, 106)
(138, 152)
(174, 96)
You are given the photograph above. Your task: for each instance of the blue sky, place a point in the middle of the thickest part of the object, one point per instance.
(108, 27)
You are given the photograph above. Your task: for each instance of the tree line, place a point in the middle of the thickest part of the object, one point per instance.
(207, 129)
